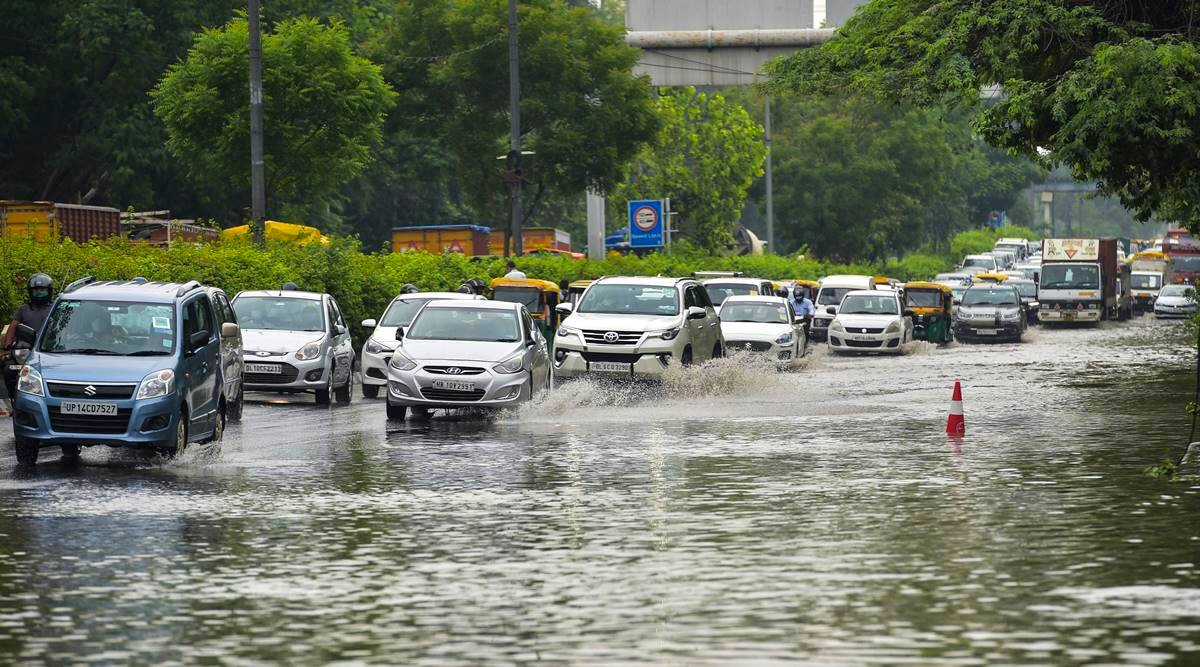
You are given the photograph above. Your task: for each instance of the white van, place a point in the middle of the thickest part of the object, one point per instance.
(830, 293)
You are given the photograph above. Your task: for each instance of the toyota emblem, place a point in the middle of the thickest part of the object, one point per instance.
(89, 390)
(611, 337)
(453, 370)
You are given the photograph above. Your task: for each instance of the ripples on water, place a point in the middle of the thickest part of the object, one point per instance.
(733, 514)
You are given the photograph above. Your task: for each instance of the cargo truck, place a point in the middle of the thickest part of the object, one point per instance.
(1082, 281)
(474, 240)
(1150, 271)
(1184, 250)
(45, 221)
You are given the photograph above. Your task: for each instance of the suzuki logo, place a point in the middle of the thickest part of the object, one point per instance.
(864, 331)
(611, 337)
(749, 346)
(89, 390)
(453, 370)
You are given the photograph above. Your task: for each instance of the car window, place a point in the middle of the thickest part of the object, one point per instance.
(223, 309)
(279, 313)
(689, 298)
(630, 299)
(110, 328)
(197, 316)
(528, 324)
(703, 298)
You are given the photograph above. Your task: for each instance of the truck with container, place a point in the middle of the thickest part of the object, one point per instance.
(1082, 281)
(1184, 251)
(1150, 271)
(47, 221)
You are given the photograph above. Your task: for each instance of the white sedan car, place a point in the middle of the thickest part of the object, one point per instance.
(467, 354)
(763, 324)
(870, 321)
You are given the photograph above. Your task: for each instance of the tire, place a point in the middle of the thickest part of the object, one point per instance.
(27, 452)
(346, 392)
(421, 414)
(370, 391)
(181, 437)
(70, 454)
(234, 413)
(718, 351)
(396, 412)
(686, 357)
(219, 427)
(324, 394)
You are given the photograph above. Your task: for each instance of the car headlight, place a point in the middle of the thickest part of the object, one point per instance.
(1015, 315)
(156, 384)
(311, 350)
(30, 382)
(892, 328)
(835, 326)
(375, 348)
(513, 364)
(784, 339)
(567, 331)
(401, 362)
(669, 334)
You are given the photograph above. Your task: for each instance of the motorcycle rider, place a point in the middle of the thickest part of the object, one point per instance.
(32, 314)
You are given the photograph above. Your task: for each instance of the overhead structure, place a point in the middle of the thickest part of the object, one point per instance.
(837, 11)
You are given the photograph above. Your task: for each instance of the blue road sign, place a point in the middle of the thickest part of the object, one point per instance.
(646, 223)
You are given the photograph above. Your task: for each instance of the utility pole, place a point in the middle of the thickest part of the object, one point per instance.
(258, 180)
(514, 101)
(770, 189)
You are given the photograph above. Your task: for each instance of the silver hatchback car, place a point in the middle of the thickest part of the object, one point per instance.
(462, 354)
(295, 342)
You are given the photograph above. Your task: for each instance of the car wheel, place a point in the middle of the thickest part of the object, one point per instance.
(549, 380)
(718, 351)
(70, 453)
(686, 357)
(235, 411)
(218, 433)
(27, 452)
(181, 437)
(346, 392)
(396, 412)
(420, 413)
(370, 391)
(324, 394)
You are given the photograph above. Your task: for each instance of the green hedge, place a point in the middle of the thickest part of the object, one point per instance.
(364, 283)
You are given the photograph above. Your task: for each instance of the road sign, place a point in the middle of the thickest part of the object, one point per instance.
(646, 223)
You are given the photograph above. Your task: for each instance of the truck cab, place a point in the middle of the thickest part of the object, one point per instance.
(1082, 281)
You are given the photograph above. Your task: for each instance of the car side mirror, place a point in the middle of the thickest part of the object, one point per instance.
(908, 312)
(197, 340)
(564, 308)
(339, 329)
(230, 330)
(832, 310)
(399, 333)
(369, 324)
(26, 334)
(695, 313)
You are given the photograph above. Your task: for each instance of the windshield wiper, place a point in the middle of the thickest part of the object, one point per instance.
(89, 350)
(148, 353)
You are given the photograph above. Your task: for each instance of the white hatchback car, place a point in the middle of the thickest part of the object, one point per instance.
(871, 321)
(763, 324)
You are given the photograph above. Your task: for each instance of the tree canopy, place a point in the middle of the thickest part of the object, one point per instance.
(1108, 88)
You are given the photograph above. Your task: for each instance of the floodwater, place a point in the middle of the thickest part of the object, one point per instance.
(734, 516)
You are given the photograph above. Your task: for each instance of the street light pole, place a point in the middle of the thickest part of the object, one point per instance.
(770, 188)
(514, 97)
(258, 194)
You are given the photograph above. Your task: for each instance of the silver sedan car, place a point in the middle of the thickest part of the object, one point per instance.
(463, 354)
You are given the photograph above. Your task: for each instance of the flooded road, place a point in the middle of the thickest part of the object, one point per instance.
(737, 516)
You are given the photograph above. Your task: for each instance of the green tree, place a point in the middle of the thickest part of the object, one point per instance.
(1111, 89)
(324, 110)
(704, 158)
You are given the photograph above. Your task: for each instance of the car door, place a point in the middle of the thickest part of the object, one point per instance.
(712, 320)
(697, 329)
(539, 358)
(201, 361)
(231, 348)
(340, 345)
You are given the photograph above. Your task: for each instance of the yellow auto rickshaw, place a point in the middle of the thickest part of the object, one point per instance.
(932, 306)
(980, 278)
(575, 291)
(539, 297)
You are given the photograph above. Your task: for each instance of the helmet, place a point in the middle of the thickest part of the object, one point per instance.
(289, 286)
(799, 292)
(409, 288)
(39, 289)
(466, 288)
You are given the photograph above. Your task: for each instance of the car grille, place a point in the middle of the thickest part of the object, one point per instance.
(452, 395)
(99, 391)
(623, 337)
(616, 358)
(866, 330)
(94, 424)
(747, 345)
(863, 343)
(288, 376)
(445, 370)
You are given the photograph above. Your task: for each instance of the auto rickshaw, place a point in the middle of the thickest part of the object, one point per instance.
(932, 305)
(539, 297)
(997, 278)
(808, 288)
(575, 291)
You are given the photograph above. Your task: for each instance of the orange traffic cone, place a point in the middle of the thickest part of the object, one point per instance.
(955, 423)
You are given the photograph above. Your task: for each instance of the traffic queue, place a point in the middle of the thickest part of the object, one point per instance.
(159, 366)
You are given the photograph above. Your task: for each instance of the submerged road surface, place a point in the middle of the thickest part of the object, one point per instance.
(732, 516)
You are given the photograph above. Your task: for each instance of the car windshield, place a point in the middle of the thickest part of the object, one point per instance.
(718, 292)
(116, 328)
(870, 305)
(926, 298)
(1186, 262)
(617, 299)
(473, 324)
(1145, 282)
(765, 313)
(402, 312)
(1178, 290)
(529, 297)
(832, 296)
(273, 313)
(983, 262)
(1027, 290)
(1070, 276)
(990, 297)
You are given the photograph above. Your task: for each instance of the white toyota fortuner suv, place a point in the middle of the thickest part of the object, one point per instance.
(636, 327)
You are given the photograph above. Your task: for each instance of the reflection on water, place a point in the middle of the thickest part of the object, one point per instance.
(732, 514)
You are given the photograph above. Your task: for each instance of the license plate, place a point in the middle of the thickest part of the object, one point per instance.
(453, 386)
(986, 332)
(273, 369)
(862, 338)
(610, 367)
(88, 408)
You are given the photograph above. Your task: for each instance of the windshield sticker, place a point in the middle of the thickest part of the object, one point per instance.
(168, 343)
(160, 323)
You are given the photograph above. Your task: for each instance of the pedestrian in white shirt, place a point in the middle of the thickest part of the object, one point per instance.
(512, 270)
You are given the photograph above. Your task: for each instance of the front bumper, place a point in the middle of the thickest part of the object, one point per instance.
(986, 329)
(767, 347)
(1143, 301)
(1165, 312)
(820, 328)
(841, 341)
(375, 367)
(490, 389)
(295, 375)
(1069, 315)
(145, 423)
(647, 360)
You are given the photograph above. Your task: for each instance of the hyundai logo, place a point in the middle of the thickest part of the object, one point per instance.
(611, 337)
(263, 354)
(453, 370)
(89, 390)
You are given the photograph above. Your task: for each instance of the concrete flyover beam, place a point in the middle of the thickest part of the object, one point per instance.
(715, 39)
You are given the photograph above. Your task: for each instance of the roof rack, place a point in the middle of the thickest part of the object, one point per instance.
(187, 287)
(86, 280)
